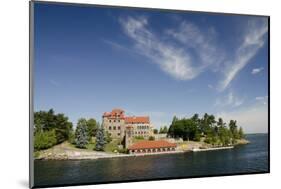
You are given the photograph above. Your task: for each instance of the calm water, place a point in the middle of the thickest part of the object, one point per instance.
(251, 158)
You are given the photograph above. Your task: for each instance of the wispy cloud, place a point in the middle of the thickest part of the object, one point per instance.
(54, 83)
(229, 100)
(206, 52)
(256, 70)
(262, 99)
(187, 51)
(254, 39)
(210, 86)
(115, 45)
(173, 60)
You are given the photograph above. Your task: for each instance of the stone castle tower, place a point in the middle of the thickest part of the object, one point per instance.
(128, 136)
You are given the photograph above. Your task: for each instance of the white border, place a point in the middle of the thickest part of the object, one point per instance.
(14, 94)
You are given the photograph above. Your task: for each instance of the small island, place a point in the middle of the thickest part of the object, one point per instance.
(124, 136)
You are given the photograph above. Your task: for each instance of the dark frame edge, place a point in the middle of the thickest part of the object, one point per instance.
(141, 8)
(268, 49)
(31, 61)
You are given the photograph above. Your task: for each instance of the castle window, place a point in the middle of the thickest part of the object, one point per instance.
(114, 128)
(118, 120)
(118, 134)
(114, 120)
(110, 121)
(118, 127)
(109, 127)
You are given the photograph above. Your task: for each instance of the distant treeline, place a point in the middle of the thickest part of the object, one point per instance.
(212, 131)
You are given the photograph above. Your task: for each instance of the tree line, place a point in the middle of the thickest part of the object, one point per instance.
(51, 129)
(162, 130)
(207, 128)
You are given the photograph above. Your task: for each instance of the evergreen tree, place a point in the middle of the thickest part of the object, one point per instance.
(81, 134)
(155, 131)
(92, 127)
(171, 130)
(220, 123)
(100, 138)
(233, 128)
(241, 133)
(165, 129)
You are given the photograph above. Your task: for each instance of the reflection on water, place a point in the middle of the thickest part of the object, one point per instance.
(249, 158)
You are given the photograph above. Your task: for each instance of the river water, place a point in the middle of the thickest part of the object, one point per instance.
(250, 158)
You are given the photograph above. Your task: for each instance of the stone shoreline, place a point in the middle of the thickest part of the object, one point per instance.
(211, 149)
(64, 152)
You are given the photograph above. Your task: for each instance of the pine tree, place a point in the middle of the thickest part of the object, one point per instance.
(81, 134)
(241, 133)
(100, 139)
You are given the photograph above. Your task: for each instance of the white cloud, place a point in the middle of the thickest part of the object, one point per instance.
(210, 86)
(253, 41)
(229, 100)
(257, 70)
(173, 60)
(262, 99)
(194, 50)
(115, 45)
(54, 83)
(253, 119)
(201, 42)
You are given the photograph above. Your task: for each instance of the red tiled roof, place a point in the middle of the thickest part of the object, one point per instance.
(117, 110)
(151, 144)
(134, 119)
(114, 113)
(121, 114)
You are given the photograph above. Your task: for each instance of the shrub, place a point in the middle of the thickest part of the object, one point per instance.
(71, 138)
(139, 137)
(151, 138)
(123, 150)
(44, 140)
(108, 137)
(36, 154)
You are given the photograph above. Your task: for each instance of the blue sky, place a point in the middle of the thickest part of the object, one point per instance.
(89, 60)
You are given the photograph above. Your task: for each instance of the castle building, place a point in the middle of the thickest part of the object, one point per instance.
(116, 123)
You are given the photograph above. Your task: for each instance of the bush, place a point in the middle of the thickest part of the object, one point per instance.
(123, 150)
(44, 140)
(71, 138)
(36, 154)
(108, 137)
(139, 137)
(151, 138)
